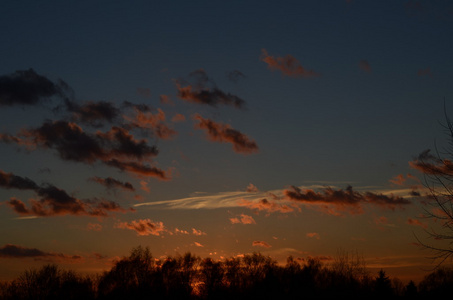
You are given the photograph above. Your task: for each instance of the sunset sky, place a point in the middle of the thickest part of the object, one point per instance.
(219, 128)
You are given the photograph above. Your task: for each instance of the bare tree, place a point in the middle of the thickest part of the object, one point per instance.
(437, 169)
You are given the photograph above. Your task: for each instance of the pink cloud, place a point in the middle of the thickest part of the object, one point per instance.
(415, 222)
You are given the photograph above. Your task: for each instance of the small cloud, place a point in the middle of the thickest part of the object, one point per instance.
(94, 227)
(178, 231)
(164, 99)
(143, 227)
(144, 186)
(198, 244)
(415, 222)
(198, 232)
(244, 219)
(261, 244)
(288, 65)
(424, 72)
(381, 220)
(251, 188)
(178, 118)
(266, 205)
(313, 235)
(398, 180)
(365, 66)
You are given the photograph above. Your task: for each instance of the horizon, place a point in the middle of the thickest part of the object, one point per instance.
(222, 129)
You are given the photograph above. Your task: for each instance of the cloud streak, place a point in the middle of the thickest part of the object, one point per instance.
(288, 65)
(144, 227)
(15, 251)
(344, 200)
(223, 133)
(111, 183)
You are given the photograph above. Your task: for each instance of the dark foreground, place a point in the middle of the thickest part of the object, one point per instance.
(255, 276)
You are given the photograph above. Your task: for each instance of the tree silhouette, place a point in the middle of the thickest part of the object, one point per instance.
(438, 179)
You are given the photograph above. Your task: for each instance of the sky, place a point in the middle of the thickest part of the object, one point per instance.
(220, 128)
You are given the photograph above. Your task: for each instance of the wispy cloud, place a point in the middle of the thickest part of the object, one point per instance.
(314, 235)
(288, 65)
(261, 244)
(15, 251)
(223, 133)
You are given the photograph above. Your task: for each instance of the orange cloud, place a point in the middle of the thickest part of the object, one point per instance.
(144, 227)
(198, 244)
(288, 65)
(313, 235)
(261, 244)
(223, 133)
(111, 183)
(198, 232)
(398, 180)
(244, 219)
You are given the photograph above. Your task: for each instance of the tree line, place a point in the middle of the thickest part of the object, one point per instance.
(141, 276)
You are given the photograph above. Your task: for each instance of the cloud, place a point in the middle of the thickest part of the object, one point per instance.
(288, 65)
(178, 118)
(144, 186)
(398, 180)
(92, 113)
(415, 222)
(313, 235)
(26, 87)
(198, 244)
(94, 227)
(204, 91)
(244, 219)
(144, 227)
(15, 251)
(365, 66)
(53, 201)
(223, 133)
(251, 188)
(154, 122)
(432, 165)
(111, 183)
(348, 199)
(424, 72)
(116, 148)
(11, 181)
(266, 205)
(198, 232)
(261, 244)
(235, 75)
